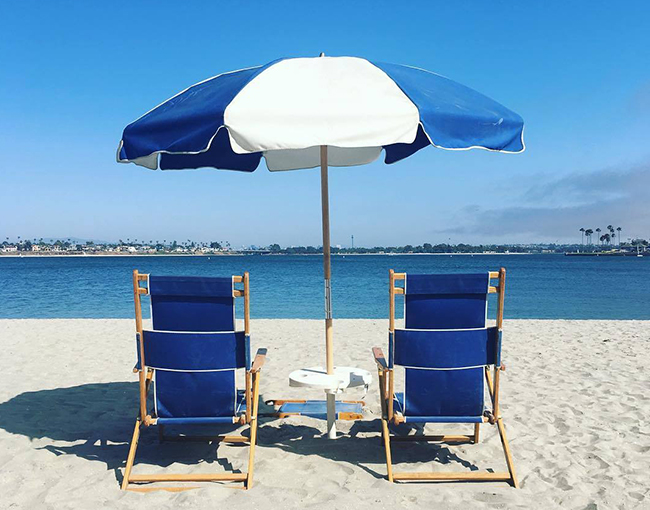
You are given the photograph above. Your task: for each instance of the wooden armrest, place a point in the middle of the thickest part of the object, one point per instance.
(379, 358)
(259, 360)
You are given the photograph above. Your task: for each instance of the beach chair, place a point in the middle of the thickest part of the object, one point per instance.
(189, 359)
(446, 351)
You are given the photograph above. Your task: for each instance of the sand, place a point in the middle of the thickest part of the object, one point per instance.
(575, 401)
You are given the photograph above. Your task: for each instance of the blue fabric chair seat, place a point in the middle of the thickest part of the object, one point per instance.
(195, 372)
(398, 406)
(240, 409)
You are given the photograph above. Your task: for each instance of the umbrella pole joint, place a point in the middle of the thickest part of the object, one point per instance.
(328, 298)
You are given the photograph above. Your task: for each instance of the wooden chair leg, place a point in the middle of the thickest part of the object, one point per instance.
(484, 476)
(384, 424)
(389, 461)
(131, 457)
(247, 478)
(253, 442)
(508, 455)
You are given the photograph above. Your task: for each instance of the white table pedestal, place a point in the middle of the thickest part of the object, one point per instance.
(332, 384)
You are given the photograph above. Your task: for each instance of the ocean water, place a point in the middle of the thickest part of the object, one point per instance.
(538, 286)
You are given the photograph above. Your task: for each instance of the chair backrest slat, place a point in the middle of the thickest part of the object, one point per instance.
(446, 301)
(167, 350)
(185, 303)
(446, 349)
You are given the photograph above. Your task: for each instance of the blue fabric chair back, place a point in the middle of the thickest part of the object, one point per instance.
(186, 303)
(195, 372)
(444, 347)
(451, 301)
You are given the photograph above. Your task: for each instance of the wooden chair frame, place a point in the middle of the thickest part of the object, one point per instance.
(389, 415)
(145, 419)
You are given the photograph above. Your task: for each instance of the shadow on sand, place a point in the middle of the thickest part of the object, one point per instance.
(95, 422)
(362, 446)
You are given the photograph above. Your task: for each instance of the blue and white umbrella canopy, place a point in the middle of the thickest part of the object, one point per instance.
(284, 110)
(306, 112)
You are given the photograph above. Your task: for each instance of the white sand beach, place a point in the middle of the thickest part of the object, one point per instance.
(575, 400)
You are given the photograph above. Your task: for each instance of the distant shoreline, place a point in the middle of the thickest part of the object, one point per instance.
(390, 254)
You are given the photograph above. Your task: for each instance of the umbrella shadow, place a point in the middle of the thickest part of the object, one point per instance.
(362, 446)
(95, 422)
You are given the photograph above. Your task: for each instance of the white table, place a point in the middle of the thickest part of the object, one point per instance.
(332, 384)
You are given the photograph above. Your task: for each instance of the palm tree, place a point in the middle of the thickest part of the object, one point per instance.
(582, 230)
(619, 235)
(588, 233)
(598, 231)
(611, 231)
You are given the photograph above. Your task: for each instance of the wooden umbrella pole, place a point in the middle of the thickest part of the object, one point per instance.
(327, 273)
(327, 267)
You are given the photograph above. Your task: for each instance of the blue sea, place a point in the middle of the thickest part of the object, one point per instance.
(538, 286)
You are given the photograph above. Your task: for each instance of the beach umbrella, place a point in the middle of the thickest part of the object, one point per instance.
(300, 113)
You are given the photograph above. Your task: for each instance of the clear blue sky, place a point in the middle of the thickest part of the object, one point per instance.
(73, 74)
